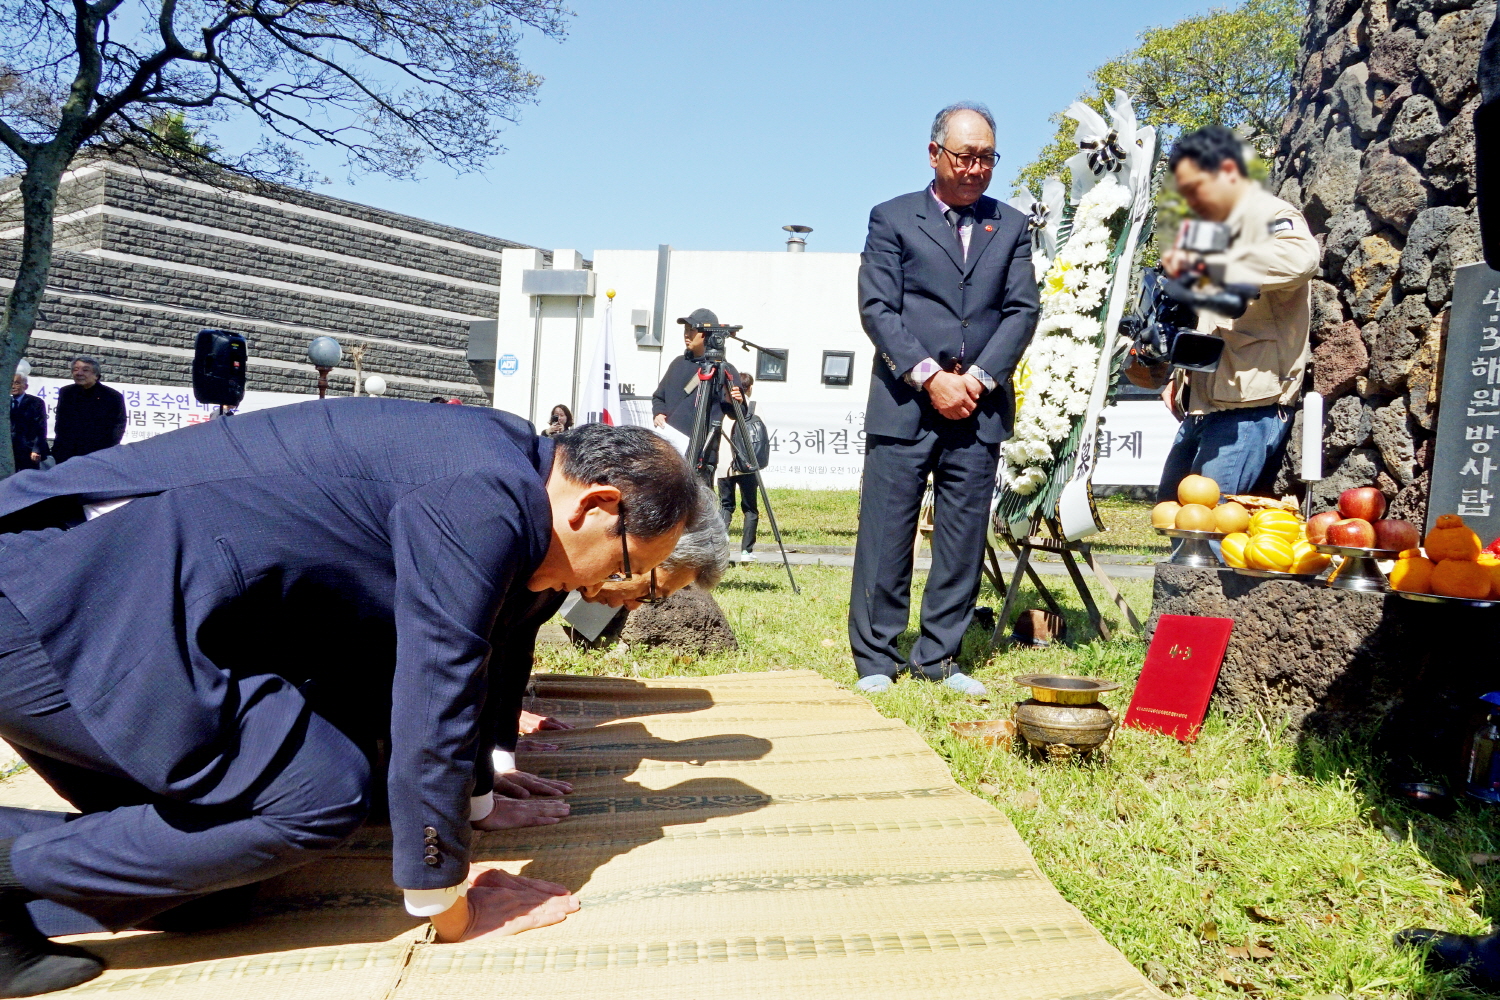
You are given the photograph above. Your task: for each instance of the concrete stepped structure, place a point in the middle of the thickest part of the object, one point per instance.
(145, 259)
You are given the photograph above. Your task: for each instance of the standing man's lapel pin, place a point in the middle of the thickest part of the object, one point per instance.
(989, 229)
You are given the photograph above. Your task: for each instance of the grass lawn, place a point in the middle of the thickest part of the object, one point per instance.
(1252, 863)
(831, 517)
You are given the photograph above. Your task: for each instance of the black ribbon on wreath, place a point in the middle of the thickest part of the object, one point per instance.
(1105, 154)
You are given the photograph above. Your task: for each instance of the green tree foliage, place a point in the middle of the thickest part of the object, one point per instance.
(1227, 67)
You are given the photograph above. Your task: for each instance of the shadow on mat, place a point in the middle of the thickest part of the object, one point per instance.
(612, 815)
(348, 899)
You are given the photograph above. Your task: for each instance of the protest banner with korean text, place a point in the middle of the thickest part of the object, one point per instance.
(155, 409)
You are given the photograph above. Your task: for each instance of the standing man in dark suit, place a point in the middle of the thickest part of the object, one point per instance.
(207, 669)
(948, 295)
(28, 425)
(90, 415)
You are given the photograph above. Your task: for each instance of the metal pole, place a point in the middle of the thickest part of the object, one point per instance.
(536, 357)
(577, 348)
(323, 381)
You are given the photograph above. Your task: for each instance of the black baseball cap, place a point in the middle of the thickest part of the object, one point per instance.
(699, 317)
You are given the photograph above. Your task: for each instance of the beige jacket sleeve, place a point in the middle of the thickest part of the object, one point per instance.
(1287, 259)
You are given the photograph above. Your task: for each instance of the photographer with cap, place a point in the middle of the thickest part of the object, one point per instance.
(675, 402)
(1235, 419)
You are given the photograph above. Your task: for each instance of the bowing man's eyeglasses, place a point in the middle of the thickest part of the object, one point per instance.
(967, 161)
(624, 573)
(653, 596)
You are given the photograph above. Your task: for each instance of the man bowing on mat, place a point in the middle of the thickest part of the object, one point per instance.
(948, 295)
(206, 638)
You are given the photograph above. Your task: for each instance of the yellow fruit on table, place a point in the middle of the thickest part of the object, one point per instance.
(1231, 517)
(1268, 551)
(1492, 566)
(1275, 522)
(1164, 514)
(1308, 560)
(1195, 517)
(1199, 490)
(1233, 548)
(1461, 578)
(1450, 538)
(1412, 573)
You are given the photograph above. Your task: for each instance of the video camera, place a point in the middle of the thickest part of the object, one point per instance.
(714, 337)
(1163, 329)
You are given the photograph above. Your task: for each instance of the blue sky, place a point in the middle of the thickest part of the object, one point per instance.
(710, 125)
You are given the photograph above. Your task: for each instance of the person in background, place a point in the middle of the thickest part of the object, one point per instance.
(1236, 418)
(948, 296)
(90, 415)
(742, 471)
(28, 425)
(562, 420)
(675, 401)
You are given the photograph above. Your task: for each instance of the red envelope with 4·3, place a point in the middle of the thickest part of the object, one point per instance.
(1181, 669)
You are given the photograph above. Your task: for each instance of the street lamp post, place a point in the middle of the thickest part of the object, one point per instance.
(325, 353)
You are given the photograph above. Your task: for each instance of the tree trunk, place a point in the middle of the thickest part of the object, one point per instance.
(39, 187)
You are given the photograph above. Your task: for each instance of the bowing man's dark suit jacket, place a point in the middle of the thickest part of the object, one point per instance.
(919, 297)
(355, 549)
(28, 430)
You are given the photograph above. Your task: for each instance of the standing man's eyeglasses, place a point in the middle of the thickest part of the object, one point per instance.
(624, 573)
(967, 161)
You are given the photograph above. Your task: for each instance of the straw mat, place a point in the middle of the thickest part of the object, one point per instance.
(748, 836)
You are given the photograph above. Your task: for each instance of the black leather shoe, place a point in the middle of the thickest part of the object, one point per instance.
(30, 964)
(1479, 955)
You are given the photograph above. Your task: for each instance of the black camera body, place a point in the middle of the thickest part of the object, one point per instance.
(1163, 330)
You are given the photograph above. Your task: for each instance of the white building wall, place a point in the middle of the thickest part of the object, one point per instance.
(802, 303)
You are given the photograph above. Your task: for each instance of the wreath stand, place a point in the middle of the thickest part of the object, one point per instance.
(1071, 552)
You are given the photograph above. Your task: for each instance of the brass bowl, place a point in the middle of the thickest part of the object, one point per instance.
(1059, 689)
(1063, 730)
(988, 732)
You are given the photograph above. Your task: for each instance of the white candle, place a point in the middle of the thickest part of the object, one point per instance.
(1312, 437)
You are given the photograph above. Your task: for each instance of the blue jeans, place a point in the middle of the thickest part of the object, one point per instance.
(1231, 447)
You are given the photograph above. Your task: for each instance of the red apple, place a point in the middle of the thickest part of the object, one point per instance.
(1364, 502)
(1394, 533)
(1317, 526)
(1354, 532)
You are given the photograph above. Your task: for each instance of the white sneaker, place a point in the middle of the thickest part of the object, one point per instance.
(747, 556)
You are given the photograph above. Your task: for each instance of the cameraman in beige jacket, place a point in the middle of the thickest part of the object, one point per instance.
(1235, 420)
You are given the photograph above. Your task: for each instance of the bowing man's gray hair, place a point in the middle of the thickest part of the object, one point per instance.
(704, 545)
(940, 123)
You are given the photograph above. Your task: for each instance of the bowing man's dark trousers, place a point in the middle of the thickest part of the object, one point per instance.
(132, 854)
(895, 477)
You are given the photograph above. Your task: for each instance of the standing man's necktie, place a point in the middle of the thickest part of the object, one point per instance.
(958, 218)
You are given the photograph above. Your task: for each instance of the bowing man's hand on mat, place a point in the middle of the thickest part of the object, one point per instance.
(533, 723)
(500, 904)
(524, 784)
(512, 814)
(536, 746)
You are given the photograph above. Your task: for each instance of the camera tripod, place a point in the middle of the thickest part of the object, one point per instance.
(713, 379)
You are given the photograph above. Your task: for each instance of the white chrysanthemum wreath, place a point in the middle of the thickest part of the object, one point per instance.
(1058, 369)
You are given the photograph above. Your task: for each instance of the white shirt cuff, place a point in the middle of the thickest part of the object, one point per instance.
(431, 902)
(983, 377)
(919, 373)
(503, 760)
(481, 806)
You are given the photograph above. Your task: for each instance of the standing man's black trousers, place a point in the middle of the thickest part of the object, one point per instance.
(895, 477)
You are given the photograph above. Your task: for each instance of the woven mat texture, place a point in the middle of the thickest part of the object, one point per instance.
(749, 836)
